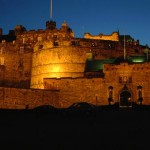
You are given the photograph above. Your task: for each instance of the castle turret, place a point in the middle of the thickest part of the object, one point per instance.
(50, 25)
(67, 29)
(64, 26)
(19, 29)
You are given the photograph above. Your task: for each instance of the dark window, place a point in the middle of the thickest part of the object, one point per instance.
(120, 80)
(40, 46)
(75, 43)
(56, 44)
(130, 79)
(136, 51)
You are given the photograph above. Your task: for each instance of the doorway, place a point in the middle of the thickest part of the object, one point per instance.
(125, 99)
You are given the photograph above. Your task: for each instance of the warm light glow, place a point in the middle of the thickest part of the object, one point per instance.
(56, 69)
(137, 59)
(113, 37)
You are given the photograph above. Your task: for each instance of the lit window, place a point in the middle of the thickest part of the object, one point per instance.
(2, 50)
(109, 45)
(39, 39)
(2, 60)
(94, 44)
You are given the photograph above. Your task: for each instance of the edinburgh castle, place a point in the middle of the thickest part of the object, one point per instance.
(53, 67)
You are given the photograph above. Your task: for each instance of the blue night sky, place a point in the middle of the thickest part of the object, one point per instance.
(128, 16)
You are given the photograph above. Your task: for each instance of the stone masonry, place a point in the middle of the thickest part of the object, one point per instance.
(47, 67)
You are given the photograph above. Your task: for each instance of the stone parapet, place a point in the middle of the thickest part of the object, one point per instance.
(113, 37)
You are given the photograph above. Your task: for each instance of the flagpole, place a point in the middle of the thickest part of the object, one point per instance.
(51, 9)
(124, 51)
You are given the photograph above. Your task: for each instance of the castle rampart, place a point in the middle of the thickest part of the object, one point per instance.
(15, 98)
(121, 78)
(113, 37)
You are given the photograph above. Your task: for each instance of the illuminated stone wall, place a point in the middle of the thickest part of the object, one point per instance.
(34, 36)
(15, 65)
(12, 98)
(79, 90)
(131, 75)
(113, 37)
(57, 62)
(35, 52)
(65, 91)
(96, 90)
(67, 59)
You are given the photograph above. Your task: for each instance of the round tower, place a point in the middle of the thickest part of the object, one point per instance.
(49, 61)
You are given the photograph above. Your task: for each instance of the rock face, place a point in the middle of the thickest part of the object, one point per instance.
(50, 67)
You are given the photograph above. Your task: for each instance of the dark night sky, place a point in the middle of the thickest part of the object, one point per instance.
(96, 16)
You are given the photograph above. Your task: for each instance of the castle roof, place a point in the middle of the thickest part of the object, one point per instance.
(65, 24)
(97, 65)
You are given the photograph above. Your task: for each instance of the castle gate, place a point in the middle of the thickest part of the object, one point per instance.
(125, 98)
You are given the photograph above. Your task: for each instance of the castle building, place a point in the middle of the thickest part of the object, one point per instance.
(53, 67)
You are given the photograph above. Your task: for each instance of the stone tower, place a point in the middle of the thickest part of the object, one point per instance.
(50, 25)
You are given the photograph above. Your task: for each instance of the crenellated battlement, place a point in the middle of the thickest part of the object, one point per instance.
(112, 37)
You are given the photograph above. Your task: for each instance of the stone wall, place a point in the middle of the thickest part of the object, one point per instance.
(57, 62)
(15, 65)
(13, 98)
(65, 91)
(113, 37)
(79, 90)
(67, 59)
(34, 36)
(96, 90)
(131, 75)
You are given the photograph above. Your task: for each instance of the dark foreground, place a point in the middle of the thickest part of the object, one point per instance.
(123, 129)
